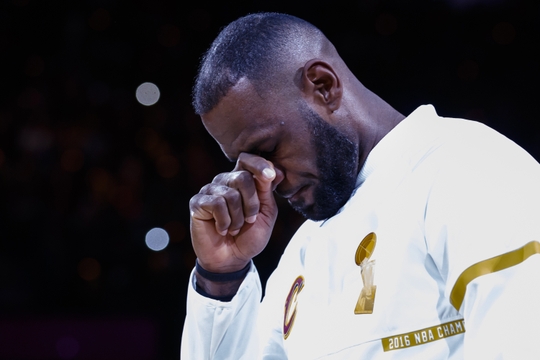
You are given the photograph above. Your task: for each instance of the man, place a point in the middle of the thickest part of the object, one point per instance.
(422, 238)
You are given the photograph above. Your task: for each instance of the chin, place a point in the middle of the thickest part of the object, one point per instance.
(314, 212)
(325, 200)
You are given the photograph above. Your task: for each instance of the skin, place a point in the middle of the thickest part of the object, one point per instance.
(267, 135)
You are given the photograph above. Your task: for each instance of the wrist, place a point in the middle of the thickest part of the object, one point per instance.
(222, 277)
(219, 268)
(219, 286)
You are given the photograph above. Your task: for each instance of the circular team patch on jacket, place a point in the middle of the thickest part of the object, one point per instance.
(290, 306)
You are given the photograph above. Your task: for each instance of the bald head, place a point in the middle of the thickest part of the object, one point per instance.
(265, 48)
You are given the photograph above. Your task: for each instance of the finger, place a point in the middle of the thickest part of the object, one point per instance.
(262, 169)
(235, 205)
(210, 207)
(244, 183)
(267, 178)
(240, 194)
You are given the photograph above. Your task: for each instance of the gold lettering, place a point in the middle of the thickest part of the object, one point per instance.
(439, 331)
(423, 336)
(446, 332)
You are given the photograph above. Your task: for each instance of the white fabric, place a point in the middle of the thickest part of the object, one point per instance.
(441, 195)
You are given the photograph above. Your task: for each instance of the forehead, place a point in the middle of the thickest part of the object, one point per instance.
(242, 119)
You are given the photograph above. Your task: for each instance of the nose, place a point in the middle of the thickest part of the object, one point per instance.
(280, 176)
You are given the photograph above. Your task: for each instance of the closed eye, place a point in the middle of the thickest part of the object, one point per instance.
(265, 148)
(267, 154)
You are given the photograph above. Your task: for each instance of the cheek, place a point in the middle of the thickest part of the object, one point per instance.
(301, 157)
(296, 156)
(291, 175)
(298, 167)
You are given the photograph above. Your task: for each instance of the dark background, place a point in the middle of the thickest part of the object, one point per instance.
(86, 171)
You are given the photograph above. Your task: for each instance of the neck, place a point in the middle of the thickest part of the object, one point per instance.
(373, 118)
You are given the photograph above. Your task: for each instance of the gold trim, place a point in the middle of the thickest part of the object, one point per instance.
(489, 266)
(423, 336)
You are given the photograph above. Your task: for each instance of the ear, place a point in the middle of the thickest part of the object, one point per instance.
(321, 84)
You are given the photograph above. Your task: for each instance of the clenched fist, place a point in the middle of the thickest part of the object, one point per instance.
(232, 218)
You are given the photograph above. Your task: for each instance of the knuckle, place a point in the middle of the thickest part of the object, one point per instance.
(205, 189)
(241, 179)
(219, 190)
(245, 176)
(193, 202)
(197, 200)
(220, 178)
(232, 196)
(208, 202)
(218, 202)
(213, 189)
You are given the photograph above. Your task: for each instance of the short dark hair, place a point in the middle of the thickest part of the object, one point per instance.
(251, 47)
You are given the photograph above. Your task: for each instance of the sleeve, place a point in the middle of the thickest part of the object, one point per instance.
(222, 330)
(483, 231)
(271, 319)
(245, 327)
(502, 313)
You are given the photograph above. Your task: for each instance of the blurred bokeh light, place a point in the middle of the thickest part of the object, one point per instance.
(157, 239)
(147, 94)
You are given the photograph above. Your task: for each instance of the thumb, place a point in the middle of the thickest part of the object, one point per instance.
(266, 181)
(264, 178)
